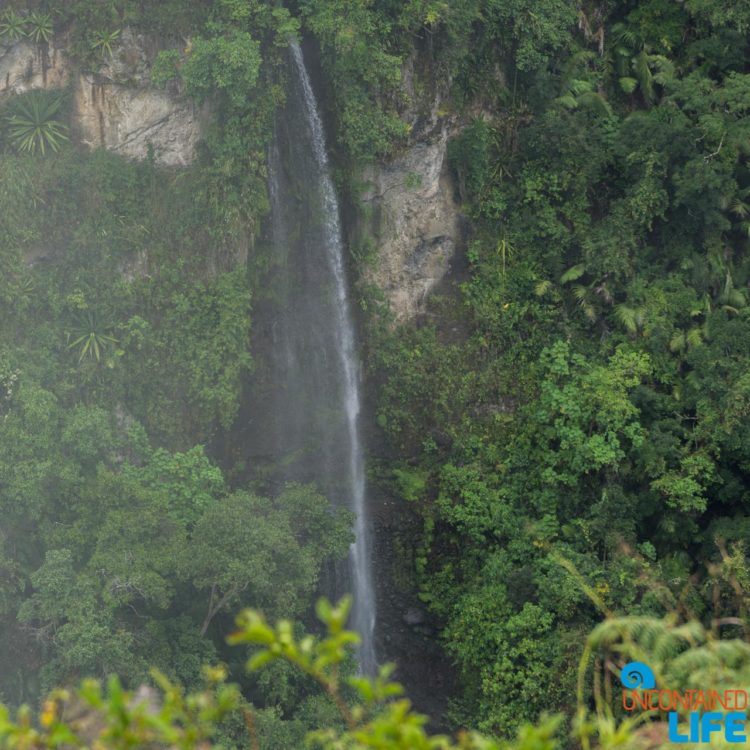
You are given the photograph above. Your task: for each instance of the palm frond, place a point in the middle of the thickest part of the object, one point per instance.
(595, 102)
(677, 342)
(628, 317)
(542, 287)
(644, 75)
(581, 293)
(573, 273)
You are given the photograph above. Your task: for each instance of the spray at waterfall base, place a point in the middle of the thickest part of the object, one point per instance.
(708, 712)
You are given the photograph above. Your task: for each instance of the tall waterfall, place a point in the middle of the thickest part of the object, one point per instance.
(313, 381)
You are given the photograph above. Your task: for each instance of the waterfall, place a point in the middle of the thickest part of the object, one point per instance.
(313, 374)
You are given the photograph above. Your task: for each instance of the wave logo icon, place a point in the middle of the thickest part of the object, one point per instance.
(636, 675)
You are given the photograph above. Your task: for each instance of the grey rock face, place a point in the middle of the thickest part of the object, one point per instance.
(25, 66)
(117, 108)
(415, 223)
(414, 616)
(131, 121)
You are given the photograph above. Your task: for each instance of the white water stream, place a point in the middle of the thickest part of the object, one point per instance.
(340, 365)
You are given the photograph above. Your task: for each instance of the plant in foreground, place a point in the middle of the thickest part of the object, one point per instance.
(378, 717)
(374, 713)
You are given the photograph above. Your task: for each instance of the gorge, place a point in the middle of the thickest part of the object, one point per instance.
(445, 305)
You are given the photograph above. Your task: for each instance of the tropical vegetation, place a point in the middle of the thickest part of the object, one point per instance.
(563, 431)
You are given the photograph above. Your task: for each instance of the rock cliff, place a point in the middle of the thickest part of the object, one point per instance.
(414, 221)
(25, 66)
(114, 107)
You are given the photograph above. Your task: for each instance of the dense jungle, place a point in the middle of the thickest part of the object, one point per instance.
(530, 315)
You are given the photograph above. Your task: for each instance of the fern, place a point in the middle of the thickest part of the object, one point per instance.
(632, 318)
(643, 74)
(542, 288)
(573, 273)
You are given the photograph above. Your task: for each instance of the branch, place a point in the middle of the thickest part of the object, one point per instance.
(715, 153)
(213, 610)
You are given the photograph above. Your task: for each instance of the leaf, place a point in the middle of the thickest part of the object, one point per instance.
(567, 100)
(677, 342)
(573, 273)
(580, 292)
(596, 102)
(32, 122)
(627, 316)
(542, 287)
(260, 660)
(694, 337)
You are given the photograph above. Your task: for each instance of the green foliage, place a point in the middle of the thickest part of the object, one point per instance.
(379, 717)
(537, 30)
(372, 712)
(115, 718)
(165, 67)
(594, 404)
(102, 42)
(584, 397)
(33, 123)
(229, 63)
(210, 328)
(269, 551)
(165, 540)
(123, 565)
(21, 197)
(364, 71)
(39, 27)
(191, 481)
(90, 337)
(12, 26)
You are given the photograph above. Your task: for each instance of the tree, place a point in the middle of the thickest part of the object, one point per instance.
(230, 63)
(266, 551)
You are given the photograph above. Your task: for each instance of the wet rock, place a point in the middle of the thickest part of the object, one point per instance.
(25, 66)
(414, 616)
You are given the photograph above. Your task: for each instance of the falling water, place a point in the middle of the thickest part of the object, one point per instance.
(312, 374)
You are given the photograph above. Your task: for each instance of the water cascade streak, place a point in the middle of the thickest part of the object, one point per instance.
(313, 372)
